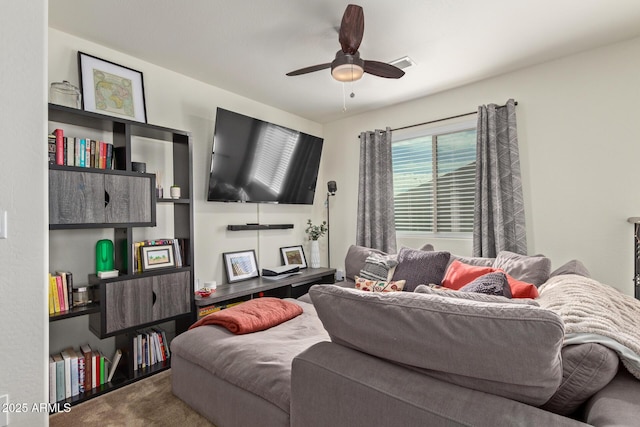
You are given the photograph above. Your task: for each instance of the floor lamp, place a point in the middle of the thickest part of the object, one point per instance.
(332, 187)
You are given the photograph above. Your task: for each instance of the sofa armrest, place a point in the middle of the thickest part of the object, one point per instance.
(338, 386)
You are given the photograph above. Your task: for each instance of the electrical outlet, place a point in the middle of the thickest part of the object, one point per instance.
(4, 410)
(3, 228)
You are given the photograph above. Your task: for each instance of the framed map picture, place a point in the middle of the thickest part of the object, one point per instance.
(111, 89)
(241, 265)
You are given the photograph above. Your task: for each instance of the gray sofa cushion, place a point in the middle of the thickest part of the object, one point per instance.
(354, 261)
(571, 267)
(530, 269)
(418, 267)
(586, 369)
(478, 261)
(444, 292)
(616, 404)
(516, 347)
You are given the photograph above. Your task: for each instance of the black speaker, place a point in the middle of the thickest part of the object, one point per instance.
(332, 186)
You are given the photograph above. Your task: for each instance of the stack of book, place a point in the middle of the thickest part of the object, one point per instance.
(60, 292)
(72, 372)
(150, 347)
(80, 152)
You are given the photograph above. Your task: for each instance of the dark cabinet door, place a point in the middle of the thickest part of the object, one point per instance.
(135, 302)
(76, 197)
(129, 303)
(129, 199)
(172, 295)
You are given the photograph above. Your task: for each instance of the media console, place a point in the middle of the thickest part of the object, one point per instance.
(293, 286)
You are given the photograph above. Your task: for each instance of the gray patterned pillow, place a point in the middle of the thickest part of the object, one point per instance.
(379, 267)
(490, 284)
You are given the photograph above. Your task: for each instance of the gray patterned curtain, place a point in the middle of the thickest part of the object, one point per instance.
(376, 224)
(499, 206)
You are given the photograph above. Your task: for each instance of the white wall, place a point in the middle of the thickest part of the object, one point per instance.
(23, 194)
(578, 128)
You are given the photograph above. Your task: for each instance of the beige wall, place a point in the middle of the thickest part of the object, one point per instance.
(578, 129)
(23, 194)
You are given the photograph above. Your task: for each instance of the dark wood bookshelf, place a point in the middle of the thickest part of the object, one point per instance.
(119, 380)
(75, 311)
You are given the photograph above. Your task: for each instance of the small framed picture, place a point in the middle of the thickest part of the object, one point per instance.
(111, 89)
(240, 265)
(157, 256)
(293, 255)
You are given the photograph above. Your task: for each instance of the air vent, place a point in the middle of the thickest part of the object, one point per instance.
(404, 62)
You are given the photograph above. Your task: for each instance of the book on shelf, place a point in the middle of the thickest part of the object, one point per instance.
(86, 353)
(51, 143)
(59, 133)
(52, 380)
(60, 375)
(115, 360)
(67, 373)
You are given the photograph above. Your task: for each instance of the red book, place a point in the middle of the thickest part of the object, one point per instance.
(103, 155)
(59, 133)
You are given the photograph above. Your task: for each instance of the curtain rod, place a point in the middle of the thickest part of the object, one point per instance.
(441, 120)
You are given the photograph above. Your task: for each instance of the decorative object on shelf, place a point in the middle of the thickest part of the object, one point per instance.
(240, 265)
(159, 192)
(175, 192)
(332, 187)
(315, 232)
(204, 292)
(140, 167)
(104, 255)
(157, 256)
(293, 255)
(83, 296)
(111, 89)
(64, 93)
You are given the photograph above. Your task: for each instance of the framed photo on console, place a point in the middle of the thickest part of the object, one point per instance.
(157, 256)
(240, 265)
(293, 255)
(111, 89)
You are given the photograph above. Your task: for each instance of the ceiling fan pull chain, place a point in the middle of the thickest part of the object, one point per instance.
(344, 99)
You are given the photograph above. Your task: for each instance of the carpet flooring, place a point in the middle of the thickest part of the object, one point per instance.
(148, 402)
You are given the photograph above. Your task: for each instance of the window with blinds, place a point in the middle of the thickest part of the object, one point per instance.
(433, 181)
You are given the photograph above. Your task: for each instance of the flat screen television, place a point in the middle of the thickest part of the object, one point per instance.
(257, 161)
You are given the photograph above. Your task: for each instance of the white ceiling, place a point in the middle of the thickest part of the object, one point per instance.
(247, 46)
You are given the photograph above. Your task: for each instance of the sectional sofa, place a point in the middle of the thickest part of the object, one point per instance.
(430, 355)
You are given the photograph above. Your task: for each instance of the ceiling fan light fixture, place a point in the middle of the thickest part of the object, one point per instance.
(347, 72)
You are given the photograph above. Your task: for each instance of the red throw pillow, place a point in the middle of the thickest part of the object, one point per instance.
(459, 274)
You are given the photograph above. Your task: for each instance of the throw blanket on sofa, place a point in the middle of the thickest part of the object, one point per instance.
(252, 316)
(595, 312)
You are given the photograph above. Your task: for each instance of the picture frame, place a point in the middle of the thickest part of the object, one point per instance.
(111, 89)
(240, 265)
(157, 256)
(293, 255)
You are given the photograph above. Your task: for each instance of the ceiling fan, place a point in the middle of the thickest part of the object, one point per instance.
(347, 65)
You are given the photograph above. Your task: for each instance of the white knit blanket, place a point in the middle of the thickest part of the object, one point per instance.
(595, 312)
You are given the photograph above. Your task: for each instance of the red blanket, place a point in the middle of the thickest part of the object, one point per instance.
(252, 316)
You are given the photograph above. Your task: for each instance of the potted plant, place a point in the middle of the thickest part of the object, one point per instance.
(315, 232)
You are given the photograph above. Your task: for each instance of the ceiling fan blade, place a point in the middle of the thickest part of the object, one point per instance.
(309, 69)
(382, 69)
(351, 29)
